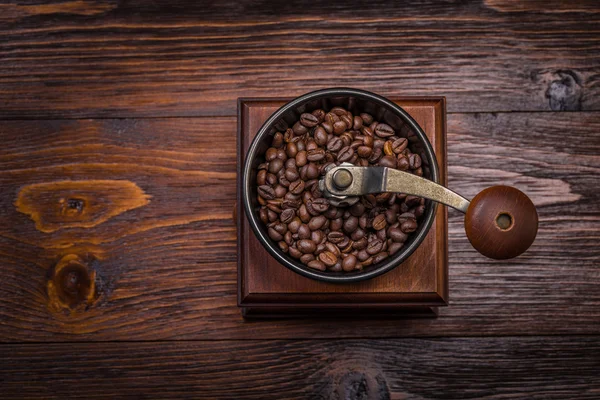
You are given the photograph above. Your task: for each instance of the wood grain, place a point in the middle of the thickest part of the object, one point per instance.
(477, 368)
(108, 59)
(167, 270)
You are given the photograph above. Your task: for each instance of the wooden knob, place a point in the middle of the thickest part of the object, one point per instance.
(501, 222)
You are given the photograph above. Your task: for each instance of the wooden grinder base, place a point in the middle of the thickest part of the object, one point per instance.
(414, 288)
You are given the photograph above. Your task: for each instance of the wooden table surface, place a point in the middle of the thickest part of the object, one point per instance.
(118, 131)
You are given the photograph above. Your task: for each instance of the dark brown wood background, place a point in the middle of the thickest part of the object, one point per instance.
(136, 101)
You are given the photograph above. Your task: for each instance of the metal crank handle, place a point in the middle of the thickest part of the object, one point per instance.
(501, 222)
(357, 181)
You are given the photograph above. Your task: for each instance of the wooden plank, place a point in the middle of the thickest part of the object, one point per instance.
(477, 368)
(70, 59)
(167, 269)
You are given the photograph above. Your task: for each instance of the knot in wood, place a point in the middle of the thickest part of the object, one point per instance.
(357, 384)
(72, 285)
(565, 92)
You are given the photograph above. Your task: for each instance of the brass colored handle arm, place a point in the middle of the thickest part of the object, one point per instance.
(348, 180)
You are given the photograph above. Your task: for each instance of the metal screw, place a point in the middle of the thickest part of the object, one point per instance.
(342, 178)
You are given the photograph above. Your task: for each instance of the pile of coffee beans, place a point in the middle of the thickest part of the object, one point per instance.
(304, 224)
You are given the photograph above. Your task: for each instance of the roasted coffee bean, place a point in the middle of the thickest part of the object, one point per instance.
(261, 177)
(357, 209)
(320, 136)
(388, 161)
(357, 234)
(399, 145)
(283, 246)
(315, 155)
(379, 257)
(277, 140)
(266, 192)
(336, 224)
(316, 264)
(262, 214)
(304, 232)
(402, 163)
(367, 118)
(327, 126)
(357, 123)
(346, 246)
(364, 151)
(288, 237)
(337, 267)
(291, 149)
(374, 246)
(291, 175)
(328, 258)
(271, 154)
(351, 224)
(382, 234)
(280, 190)
(294, 252)
(339, 127)
(299, 129)
(287, 216)
(318, 236)
(356, 144)
(274, 208)
(306, 246)
(312, 172)
(306, 258)
(335, 237)
(409, 226)
(275, 166)
(281, 228)
(405, 216)
(283, 181)
(294, 225)
(345, 154)
(291, 204)
(347, 120)
(331, 247)
(384, 130)
(320, 114)
(360, 244)
(272, 215)
(412, 201)
(274, 235)
(301, 158)
(419, 211)
(281, 154)
(304, 214)
(379, 222)
(397, 235)
(391, 215)
(395, 247)
(375, 156)
(317, 222)
(320, 248)
(320, 204)
(414, 161)
(349, 263)
(311, 145)
(362, 255)
(331, 212)
(388, 149)
(363, 221)
(297, 187)
(309, 120)
(334, 144)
